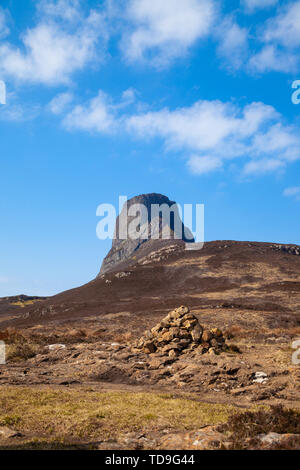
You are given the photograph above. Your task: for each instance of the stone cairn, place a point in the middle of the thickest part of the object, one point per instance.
(178, 333)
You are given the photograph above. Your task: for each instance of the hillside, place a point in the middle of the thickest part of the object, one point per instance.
(252, 284)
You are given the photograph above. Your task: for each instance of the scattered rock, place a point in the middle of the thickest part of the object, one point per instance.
(207, 438)
(293, 250)
(284, 441)
(122, 274)
(260, 377)
(56, 347)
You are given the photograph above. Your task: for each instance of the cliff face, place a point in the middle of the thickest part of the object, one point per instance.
(153, 229)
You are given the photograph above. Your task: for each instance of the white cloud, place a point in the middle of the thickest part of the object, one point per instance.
(253, 5)
(278, 139)
(54, 49)
(95, 116)
(270, 58)
(204, 126)
(285, 27)
(201, 165)
(164, 30)
(17, 110)
(129, 96)
(100, 114)
(59, 103)
(293, 191)
(233, 42)
(215, 131)
(265, 165)
(68, 10)
(281, 38)
(4, 29)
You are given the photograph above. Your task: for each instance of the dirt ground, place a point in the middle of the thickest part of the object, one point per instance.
(250, 291)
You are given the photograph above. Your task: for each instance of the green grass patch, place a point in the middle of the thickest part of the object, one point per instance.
(88, 414)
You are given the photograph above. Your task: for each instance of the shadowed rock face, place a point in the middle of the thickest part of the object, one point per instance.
(148, 220)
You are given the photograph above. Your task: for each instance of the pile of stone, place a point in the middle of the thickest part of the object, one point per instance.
(179, 332)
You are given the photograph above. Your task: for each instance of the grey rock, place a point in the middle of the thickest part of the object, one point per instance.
(155, 231)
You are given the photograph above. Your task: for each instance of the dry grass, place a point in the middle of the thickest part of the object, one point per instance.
(87, 414)
(243, 428)
(123, 338)
(18, 346)
(35, 339)
(25, 303)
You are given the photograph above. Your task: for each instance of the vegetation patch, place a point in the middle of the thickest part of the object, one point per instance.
(87, 414)
(244, 428)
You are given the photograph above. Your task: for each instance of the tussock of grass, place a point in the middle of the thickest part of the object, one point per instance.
(100, 415)
(243, 427)
(18, 346)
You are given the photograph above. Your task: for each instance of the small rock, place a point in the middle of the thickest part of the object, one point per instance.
(173, 354)
(217, 333)
(149, 347)
(56, 347)
(196, 333)
(7, 433)
(206, 336)
(260, 377)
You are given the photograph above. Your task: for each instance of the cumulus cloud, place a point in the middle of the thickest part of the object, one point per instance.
(68, 10)
(59, 103)
(293, 191)
(278, 139)
(213, 132)
(98, 115)
(285, 27)
(265, 165)
(271, 58)
(201, 165)
(129, 96)
(164, 30)
(4, 29)
(16, 110)
(281, 38)
(233, 42)
(54, 49)
(252, 5)
(204, 126)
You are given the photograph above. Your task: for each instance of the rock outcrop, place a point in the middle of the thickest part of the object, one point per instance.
(156, 229)
(291, 249)
(179, 332)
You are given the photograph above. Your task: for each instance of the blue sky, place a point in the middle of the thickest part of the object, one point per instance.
(105, 98)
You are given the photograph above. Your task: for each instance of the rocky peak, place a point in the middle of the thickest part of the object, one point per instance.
(149, 221)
